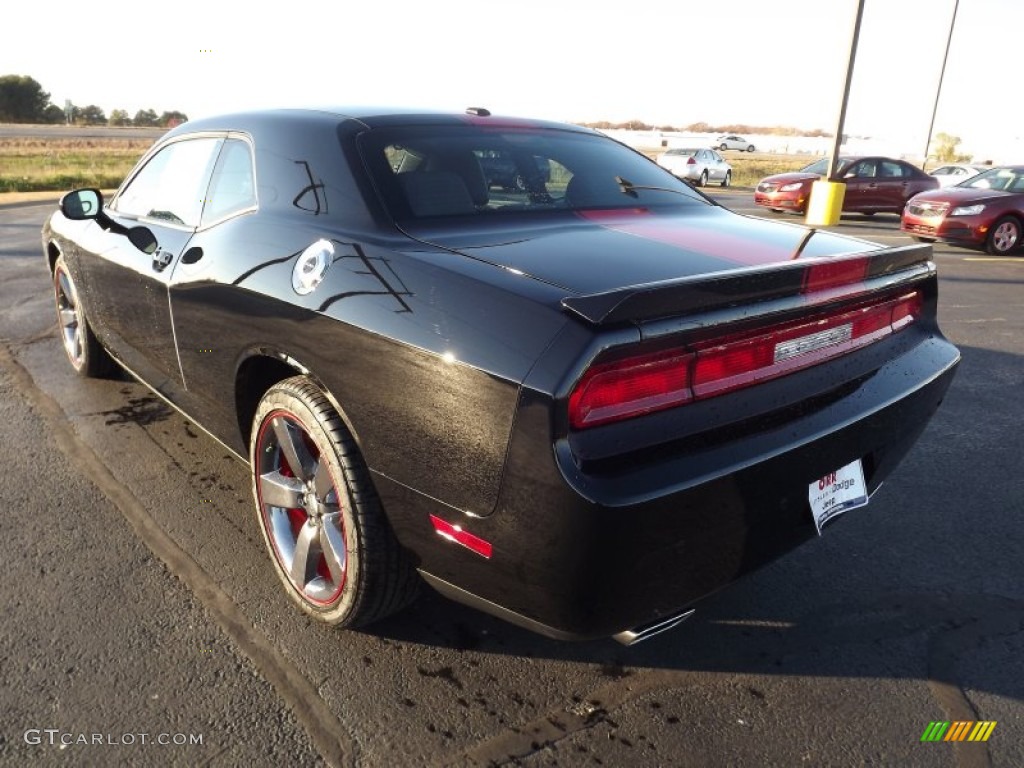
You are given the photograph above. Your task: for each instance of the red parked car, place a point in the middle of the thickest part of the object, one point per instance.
(986, 211)
(873, 185)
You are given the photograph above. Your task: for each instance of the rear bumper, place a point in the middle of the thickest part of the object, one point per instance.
(581, 554)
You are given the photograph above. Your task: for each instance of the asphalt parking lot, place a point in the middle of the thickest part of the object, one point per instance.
(139, 600)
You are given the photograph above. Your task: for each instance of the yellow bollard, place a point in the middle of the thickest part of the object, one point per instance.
(826, 203)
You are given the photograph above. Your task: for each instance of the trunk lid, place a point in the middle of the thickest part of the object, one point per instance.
(593, 252)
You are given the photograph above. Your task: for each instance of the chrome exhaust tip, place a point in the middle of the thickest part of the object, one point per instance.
(646, 631)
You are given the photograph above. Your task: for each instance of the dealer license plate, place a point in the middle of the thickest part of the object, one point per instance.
(836, 493)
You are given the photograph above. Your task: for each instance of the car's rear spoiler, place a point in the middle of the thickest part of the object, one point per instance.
(720, 290)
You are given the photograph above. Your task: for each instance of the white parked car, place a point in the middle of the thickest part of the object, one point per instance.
(954, 173)
(734, 142)
(700, 166)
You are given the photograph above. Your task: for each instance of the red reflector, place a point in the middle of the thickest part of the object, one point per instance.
(691, 161)
(830, 274)
(459, 536)
(630, 387)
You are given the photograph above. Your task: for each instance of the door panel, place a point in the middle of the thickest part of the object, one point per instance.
(128, 288)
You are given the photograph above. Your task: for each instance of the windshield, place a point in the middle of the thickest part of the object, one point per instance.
(429, 172)
(1002, 179)
(820, 167)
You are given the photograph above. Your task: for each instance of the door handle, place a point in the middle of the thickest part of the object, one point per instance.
(161, 259)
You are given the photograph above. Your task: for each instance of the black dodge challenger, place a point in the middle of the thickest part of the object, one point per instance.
(581, 403)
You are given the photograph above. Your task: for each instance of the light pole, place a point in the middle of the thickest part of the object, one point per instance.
(854, 37)
(825, 206)
(938, 90)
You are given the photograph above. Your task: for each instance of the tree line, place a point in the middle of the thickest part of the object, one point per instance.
(23, 100)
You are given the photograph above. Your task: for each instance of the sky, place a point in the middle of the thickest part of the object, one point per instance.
(762, 62)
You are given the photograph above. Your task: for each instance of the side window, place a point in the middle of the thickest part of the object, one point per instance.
(233, 186)
(892, 170)
(171, 185)
(865, 169)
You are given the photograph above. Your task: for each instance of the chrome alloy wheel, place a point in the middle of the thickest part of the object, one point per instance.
(69, 316)
(299, 508)
(1004, 236)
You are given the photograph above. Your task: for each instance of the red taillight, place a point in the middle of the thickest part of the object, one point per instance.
(691, 161)
(630, 387)
(633, 386)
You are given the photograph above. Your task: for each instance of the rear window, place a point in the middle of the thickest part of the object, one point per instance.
(430, 172)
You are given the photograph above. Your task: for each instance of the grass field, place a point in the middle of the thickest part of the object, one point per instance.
(38, 164)
(748, 168)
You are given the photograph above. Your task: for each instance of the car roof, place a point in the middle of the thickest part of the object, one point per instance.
(371, 117)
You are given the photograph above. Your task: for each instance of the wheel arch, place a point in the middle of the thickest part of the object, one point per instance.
(261, 369)
(53, 252)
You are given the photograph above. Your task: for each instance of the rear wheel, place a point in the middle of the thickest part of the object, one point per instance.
(1003, 237)
(703, 180)
(750, 148)
(85, 353)
(319, 514)
(723, 146)
(728, 179)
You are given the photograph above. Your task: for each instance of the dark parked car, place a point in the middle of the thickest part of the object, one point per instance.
(986, 211)
(581, 406)
(873, 185)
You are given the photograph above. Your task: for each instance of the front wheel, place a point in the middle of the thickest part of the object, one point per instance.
(1003, 237)
(320, 517)
(703, 180)
(84, 351)
(727, 181)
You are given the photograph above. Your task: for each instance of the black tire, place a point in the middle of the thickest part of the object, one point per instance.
(84, 351)
(1004, 236)
(727, 181)
(922, 239)
(723, 146)
(750, 148)
(353, 572)
(703, 180)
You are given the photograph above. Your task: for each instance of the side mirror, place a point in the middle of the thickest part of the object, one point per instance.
(85, 204)
(82, 204)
